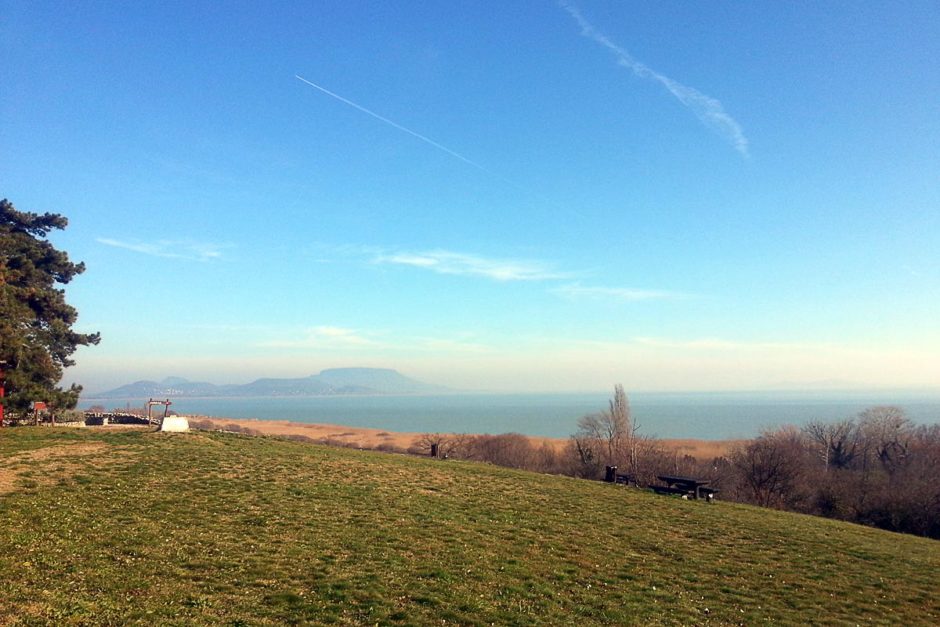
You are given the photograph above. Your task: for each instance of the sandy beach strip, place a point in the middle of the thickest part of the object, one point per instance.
(363, 437)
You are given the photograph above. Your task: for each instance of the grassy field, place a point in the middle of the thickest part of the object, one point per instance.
(100, 526)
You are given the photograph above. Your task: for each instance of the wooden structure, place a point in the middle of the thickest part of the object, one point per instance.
(40, 406)
(166, 410)
(688, 487)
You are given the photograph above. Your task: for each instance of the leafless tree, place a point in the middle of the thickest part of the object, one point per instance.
(837, 442)
(457, 445)
(549, 460)
(769, 467)
(512, 450)
(886, 432)
(607, 437)
(587, 451)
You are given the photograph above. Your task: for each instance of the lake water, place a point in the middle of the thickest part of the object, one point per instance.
(676, 415)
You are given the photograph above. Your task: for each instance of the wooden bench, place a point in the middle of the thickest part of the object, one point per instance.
(688, 487)
(612, 476)
(663, 489)
(624, 479)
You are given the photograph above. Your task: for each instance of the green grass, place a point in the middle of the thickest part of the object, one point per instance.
(116, 527)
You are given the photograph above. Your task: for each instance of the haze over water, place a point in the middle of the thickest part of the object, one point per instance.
(724, 415)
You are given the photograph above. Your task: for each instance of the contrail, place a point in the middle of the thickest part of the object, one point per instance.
(426, 140)
(705, 108)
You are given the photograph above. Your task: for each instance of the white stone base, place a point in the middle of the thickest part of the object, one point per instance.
(175, 423)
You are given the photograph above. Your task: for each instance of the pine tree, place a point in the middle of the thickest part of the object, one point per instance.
(36, 336)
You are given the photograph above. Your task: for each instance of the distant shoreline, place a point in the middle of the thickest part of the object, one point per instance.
(671, 417)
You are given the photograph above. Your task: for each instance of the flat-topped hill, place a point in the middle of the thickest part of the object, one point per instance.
(331, 382)
(116, 526)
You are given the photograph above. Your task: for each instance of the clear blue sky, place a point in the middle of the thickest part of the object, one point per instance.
(673, 196)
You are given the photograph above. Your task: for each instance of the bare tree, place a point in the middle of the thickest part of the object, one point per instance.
(513, 450)
(769, 467)
(604, 437)
(626, 429)
(887, 433)
(837, 441)
(548, 460)
(586, 449)
(457, 445)
(618, 420)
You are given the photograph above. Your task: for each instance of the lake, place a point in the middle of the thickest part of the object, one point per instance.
(712, 415)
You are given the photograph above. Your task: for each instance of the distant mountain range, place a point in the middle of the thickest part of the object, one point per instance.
(332, 382)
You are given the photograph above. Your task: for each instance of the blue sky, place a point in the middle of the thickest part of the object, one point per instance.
(535, 196)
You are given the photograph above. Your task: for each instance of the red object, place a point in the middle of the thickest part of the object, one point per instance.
(39, 406)
(2, 392)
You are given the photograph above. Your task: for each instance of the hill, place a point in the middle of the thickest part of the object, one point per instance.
(120, 526)
(170, 386)
(335, 381)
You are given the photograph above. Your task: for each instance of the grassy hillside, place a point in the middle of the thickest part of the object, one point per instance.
(118, 526)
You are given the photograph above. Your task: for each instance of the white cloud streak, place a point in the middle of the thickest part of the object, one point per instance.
(168, 249)
(401, 128)
(577, 291)
(325, 337)
(447, 262)
(718, 344)
(450, 346)
(503, 270)
(707, 109)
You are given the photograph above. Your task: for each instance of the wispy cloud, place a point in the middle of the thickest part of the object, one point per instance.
(707, 109)
(711, 344)
(448, 262)
(577, 291)
(560, 282)
(325, 337)
(339, 334)
(169, 249)
(449, 345)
